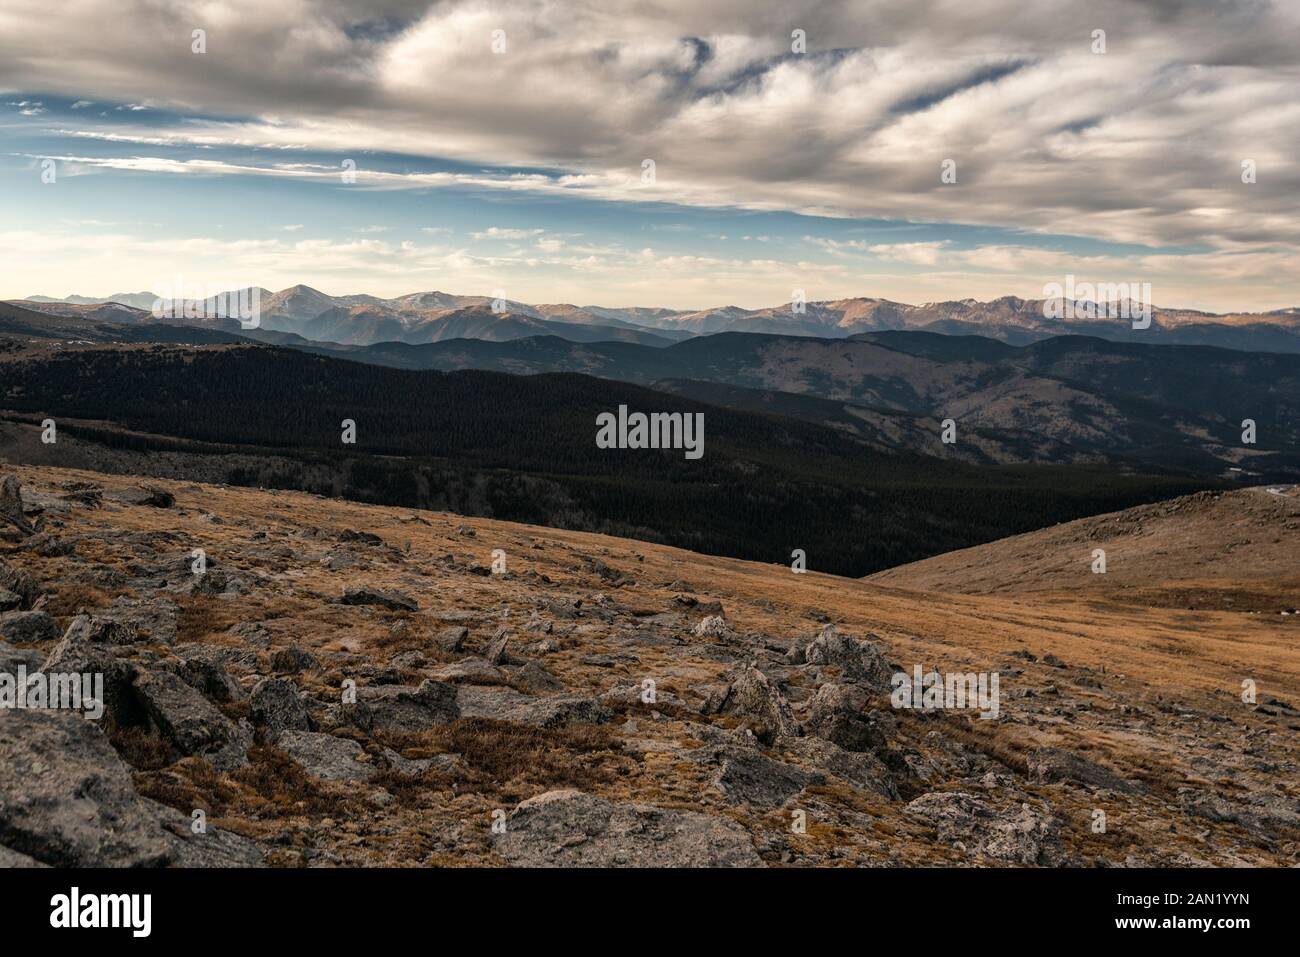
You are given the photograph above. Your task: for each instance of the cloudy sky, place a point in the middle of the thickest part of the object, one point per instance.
(516, 160)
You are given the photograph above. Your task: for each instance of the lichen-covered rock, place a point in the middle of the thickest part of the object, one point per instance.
(277, 706)
(857, 660)
(568, 828)
(752, 696)
(66, 798)
(326, 756)
(403, 708)
(1018, 835)
(28, 627)
(379, 597)
(1050, 765)
(189, 721)
(839, 713)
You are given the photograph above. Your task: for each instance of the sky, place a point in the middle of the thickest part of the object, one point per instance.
(671, 153)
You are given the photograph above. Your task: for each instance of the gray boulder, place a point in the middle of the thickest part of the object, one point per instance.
(839, 713)
(391, 600)
(29, 627)
(571, 829)
(857, 660)
(325, 756)
(66, 798)
(1018, 835)
(751, 695)
(277, 706)
(403, 708)
(189, 721)
(506, 704)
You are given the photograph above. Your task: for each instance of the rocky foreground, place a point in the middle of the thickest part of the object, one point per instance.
(296, 681)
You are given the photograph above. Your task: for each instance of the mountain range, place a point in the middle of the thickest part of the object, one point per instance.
(437, 316)
(1067, 400)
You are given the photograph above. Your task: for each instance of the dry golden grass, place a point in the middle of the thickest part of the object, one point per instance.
(1152, 663)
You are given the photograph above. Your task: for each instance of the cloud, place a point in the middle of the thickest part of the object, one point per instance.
(1141, 144)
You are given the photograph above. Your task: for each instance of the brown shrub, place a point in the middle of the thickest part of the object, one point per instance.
(513, 758)
(281, 783)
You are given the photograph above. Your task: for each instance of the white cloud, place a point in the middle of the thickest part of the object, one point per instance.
(1142, 144)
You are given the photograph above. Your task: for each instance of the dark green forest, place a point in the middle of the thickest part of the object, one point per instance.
(523, 448)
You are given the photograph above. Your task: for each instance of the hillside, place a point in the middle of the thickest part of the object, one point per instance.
(518, 697)
(1228, 550)
(1079, 398)
(524, 448)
